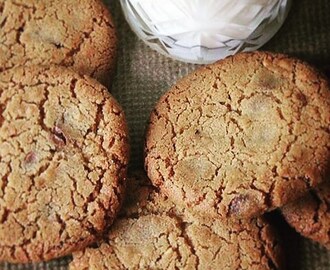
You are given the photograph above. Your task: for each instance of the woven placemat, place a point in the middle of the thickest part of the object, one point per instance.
(143, 75)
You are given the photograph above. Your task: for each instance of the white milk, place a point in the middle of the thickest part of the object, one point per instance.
(199, 24)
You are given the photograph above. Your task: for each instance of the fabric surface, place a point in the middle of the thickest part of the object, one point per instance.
(143, 75)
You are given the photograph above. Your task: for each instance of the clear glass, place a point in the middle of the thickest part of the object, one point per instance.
(204, 31)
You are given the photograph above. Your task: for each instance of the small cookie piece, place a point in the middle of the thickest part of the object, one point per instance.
(63, 158)
(310, 215)
(242, 136)
(152, 233)
(72, 33)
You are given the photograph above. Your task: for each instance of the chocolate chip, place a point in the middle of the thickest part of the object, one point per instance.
(267, 82)
(301, 97)
(238, 204)
(58, 45)
(30, 157)
(58, 137)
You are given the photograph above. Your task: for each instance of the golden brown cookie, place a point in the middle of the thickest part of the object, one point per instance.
(72, 33)
(152, 233)
(242, 136)
(63, 159)
(310, 215)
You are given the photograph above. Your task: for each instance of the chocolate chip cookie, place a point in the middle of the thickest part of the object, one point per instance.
(242, 136)
(63, 158)
(310, 215)
(153, 233)
(72, 33)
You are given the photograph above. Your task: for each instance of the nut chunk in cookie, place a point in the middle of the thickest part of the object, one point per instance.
(63, 158)
(242, 136)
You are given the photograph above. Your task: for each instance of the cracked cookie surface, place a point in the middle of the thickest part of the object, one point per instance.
(152, 233)
(310, 215)
(242, 136)
(71, 33)
(63, 158)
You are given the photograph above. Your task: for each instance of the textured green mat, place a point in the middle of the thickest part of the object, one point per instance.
(143, 75)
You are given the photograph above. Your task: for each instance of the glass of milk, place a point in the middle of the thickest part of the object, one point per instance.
(203, 31)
